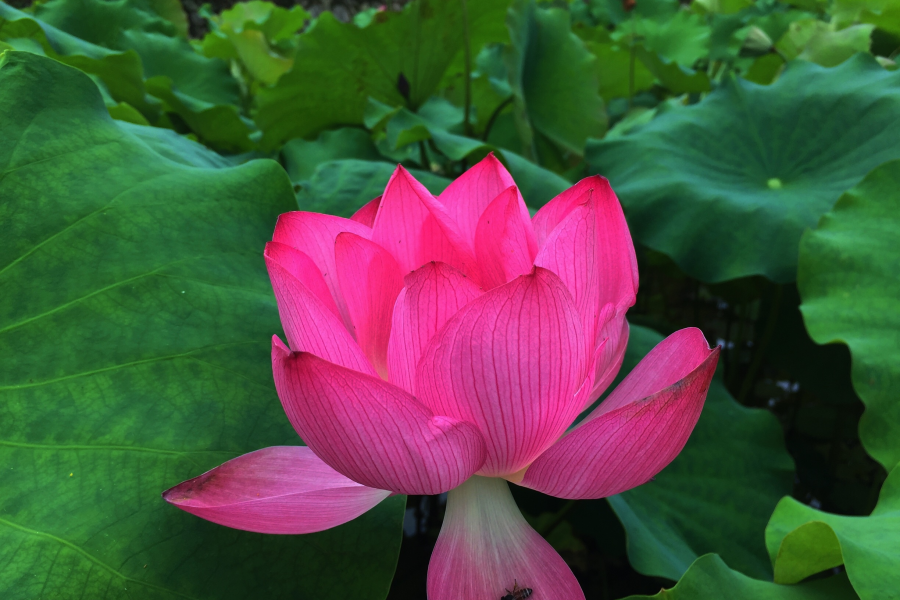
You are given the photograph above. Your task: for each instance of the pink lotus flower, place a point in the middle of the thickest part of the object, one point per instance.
(447, 345)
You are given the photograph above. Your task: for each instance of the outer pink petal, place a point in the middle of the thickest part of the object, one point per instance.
(551, 214)
(310, 326)
(591, 250)
(510, 362)
(468, 196)
(283, 489)
(415, 228)
(370, 279)
(314, 234)
(302, 267)
(635, 432)
(572, 253)
(505, 245)
(486, 549)
(366, 214)
(371, 431)
(433, 294)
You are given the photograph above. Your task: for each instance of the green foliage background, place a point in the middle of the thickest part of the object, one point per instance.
(754, 144)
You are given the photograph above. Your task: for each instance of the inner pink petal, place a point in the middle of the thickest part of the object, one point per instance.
(510, 362)
(504, 240)
(486, 549)
(433, 293)
(470, 193)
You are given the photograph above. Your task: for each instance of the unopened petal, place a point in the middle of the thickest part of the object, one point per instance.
(486, 549)
(283, 489)
(366, 213)
(511, 362)
(470, 193)
(505, 245)
(370, 279)
(371, 431)
(415, 228)
(638, 430)
(433, 293)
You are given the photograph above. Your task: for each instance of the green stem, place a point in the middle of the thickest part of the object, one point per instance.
(759, 354)
(494, 115)
(735, 355)
(631, 68)
(467, 126)
(423, 156)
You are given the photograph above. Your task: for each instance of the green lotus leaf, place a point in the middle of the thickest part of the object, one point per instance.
(727, 186)
(803, 541)
(717, 495)
(553, 77)
(398, 59)
(136, 355)
(849, 280)
(709, 578)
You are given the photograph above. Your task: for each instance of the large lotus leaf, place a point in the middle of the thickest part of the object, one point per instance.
(710, 579)
(398, 59)
(553, 78)
(803, 541)
(135, 339)
(716, 496)
(175, 147)
(849, 280)
(726, 187)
